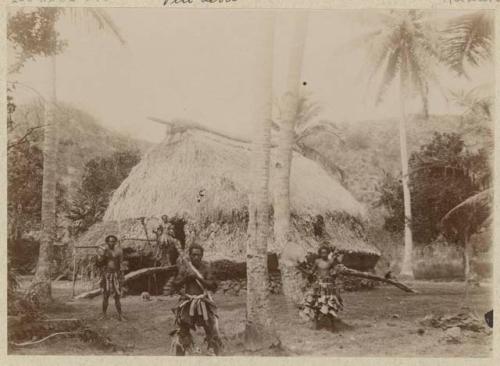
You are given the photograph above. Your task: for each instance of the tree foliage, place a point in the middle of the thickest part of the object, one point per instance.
(24, 189)
(444, 173)
(25, 166)
(34, 34)
(390, 190)
(100, 178)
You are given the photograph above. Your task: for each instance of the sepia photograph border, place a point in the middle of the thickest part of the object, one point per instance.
(326, 5)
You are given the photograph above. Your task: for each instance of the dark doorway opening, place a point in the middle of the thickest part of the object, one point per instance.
(319, 226)
(179, 234)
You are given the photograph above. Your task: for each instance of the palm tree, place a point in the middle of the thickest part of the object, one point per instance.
(281, 200)
(465, 220)
(41, 284)
(468, 39)
(404, 46)
(304, 124)
(258, 325)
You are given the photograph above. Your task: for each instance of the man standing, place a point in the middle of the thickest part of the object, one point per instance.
(167, 245)
(109, 259)
(196, 307)
(167, 225)
(323, 303)
(323, 265)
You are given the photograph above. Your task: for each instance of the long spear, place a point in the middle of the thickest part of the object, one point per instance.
(143, 222)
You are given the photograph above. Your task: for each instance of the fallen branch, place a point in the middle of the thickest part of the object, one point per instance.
(89, 294)
(352, 272)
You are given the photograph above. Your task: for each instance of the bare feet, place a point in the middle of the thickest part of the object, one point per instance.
(102, 317)
(120, 317)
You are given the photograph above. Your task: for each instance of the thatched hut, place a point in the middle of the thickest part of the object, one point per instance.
(203, 181)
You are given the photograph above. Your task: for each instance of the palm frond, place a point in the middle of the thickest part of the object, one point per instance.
(106, 23)
(419, 76)
(468, 39)
(469, 216)
(101, 17)
(391, 70)
(321, 127)
(477, 101)
(275, 126)
(378, 51)
(328, 165)
(307, 111)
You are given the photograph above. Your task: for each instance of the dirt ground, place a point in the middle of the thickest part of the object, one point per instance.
(382, 322)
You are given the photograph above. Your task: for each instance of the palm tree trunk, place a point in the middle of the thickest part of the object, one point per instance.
(466, 260)
(258, 325)
(251, 214)
(407, 266)
(290, 275)
(466, 263)
(41, 284)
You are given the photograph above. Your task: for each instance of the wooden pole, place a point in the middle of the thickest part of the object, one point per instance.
(466, 260)
(155, 280)
(74, 271)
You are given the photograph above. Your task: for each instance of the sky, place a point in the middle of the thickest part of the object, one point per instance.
(199, 64)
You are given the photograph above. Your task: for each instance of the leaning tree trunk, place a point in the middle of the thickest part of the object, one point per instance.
(258, 326)
(41, 285)
(407, 266)
(290, 275)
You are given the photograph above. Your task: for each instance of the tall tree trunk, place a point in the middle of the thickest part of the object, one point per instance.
(290, 275)
(407, 266)
(425, 105)
(258, 325)
(466, 260)
(41, 284)
(466, 264)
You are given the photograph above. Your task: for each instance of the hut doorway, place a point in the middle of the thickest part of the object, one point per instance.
(319, 226)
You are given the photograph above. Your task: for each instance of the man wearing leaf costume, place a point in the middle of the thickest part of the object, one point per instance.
(323, 302)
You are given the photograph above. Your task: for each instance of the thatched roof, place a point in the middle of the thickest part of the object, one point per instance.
(469, 216)
(172, 175)
(206, 180)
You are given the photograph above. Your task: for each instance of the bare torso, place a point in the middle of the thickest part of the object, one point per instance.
(111, 259)
(323, 269)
